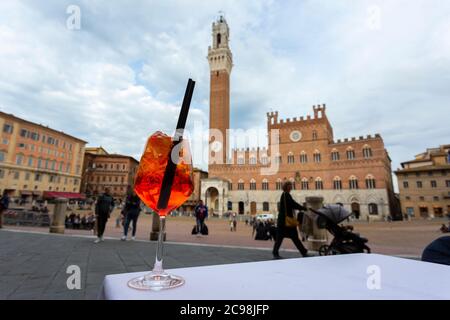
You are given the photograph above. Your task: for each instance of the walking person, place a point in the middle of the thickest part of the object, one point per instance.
(4, 205)
(131, 214)
(287, 223)
(234, 222)
(201, 213)
(103, 209)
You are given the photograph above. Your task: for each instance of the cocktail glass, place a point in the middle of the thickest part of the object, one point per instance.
(159, 151)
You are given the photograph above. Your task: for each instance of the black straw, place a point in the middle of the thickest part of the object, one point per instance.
(169, 174)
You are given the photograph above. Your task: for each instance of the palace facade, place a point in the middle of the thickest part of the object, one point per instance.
(35, 159)
(354, 172)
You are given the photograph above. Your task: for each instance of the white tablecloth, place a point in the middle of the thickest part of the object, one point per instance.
(331, 277)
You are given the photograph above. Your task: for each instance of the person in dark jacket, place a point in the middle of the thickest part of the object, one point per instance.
(103, 209)
(4, 205)
(438, 251)
(287, 206)
(131, 212)
(201, 213)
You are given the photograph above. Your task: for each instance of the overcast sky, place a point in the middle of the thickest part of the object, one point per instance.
(380, 66)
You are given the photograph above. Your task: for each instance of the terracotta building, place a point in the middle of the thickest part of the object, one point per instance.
(424, 184)
(198, 176)
(102, 170)
(354, 172)
(35, 159)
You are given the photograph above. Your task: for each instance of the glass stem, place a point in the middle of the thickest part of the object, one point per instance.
(158, 268)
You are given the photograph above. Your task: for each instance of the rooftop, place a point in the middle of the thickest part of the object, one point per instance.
(14, 118)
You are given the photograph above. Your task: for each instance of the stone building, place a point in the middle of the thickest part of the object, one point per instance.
(35, 159)
(354, 172)
(424, 183)
(198, 176)
(102, 170)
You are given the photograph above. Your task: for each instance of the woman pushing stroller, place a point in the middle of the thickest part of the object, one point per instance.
(287, 222)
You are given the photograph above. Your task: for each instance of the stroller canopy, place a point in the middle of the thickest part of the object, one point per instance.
(335, 213)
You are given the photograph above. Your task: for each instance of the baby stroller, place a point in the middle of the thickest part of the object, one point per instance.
(344, 241)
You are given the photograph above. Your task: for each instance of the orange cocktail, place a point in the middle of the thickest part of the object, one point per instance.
(151, 172)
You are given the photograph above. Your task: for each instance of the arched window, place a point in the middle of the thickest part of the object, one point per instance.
(265, 206)
(335, 155)
(305, 184)
(291, 158)
(367, 152)
(252, 160)
(219, 39)
(317, 156)
(319, 184)
(353, 183)
(303, 157)
(264, 159)
(370, 182)
(351, 154)
(230, 185)
(314, 135)
(279, 184)
(265, 184)
(230, 205)
(253, 184)
(373, 209)
(240, 160)
(337, 183)
(241, 185)
(292, 180)
(278, 159)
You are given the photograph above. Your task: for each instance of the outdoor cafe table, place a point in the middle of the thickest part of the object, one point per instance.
(332, 277)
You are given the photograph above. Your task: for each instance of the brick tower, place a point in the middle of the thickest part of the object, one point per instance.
(220, 64)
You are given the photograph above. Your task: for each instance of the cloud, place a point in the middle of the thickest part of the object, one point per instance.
(122, 76)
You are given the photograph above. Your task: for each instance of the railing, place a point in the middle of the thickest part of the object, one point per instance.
(26, 218)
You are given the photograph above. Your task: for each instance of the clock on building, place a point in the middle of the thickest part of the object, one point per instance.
(296, 136)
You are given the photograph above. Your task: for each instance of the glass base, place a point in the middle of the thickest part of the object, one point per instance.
(156, 282)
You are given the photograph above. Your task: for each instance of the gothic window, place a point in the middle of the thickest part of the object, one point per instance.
(265, 184)
(367, 152)
(351, 154)
(264, 160)
(241, 185)
(293, 184)
(303, 157)
(253, 160)
(337, 183)
(219, 38)
(317, 156)
(240, 160)
(335, 155)
(370, 182)
(291, 158)
(278, 159)
(319, 184)
(252, 184)
(353, 183)
(230, 185)
(279, 184)
(305, 184)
